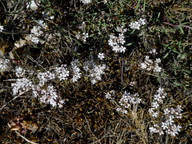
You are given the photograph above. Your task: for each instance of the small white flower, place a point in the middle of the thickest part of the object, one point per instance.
(132, 83)
(19, 71)
(82, 36)
(143, 66)
(86, 1)
(158, 60)
(157, 69)
(85, 36)
(121, 110)
(43, 25)
(164, 125)
(45, 77)
(1, 28)
(109, 94)
(155, 114)
(153, 51)
(34, 39)
(52, 17)
(32, 5)
(101, 56)
(76, 70)
(153, 130)
(142, 21)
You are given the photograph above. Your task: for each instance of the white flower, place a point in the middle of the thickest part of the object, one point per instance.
(61, 103)
(109, 94)
(36, 90)
(82, 36)
(155, 114)
(1, 28)
(52, 17)
(36, 30)
(164, 125)
(76, 71)
(135, 25)
(101, 56)
(96, 72)
(149, 65)
(168, 125)
(155, 105)
(34, 39)
(85, 36)
(45, 77)
(142, 21)
(21, 86)
(153, 51)
(42, 24)
(49, 96)
(154, 129)
(127, 99)
(117, 43)
(19, 71)
(121, 110)
(4, 64)
(143, 66)
(158, 60)
(86, 1)
(157, 69)
(174, 129)
(32, 5)
(121, 29)
(62, 72)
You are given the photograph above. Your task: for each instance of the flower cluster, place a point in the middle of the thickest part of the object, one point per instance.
(157, 101)
(137, 24)
(36, 32)
(62, 72)
(46, 94)
(167, 124)
(127, 100)
(21, 86)
(86, 1)
(149, 65)
(75, 70)
(117, 42)
(82, 36)
(4, 64)
(95, 71)
(44, 77)
(49, 96)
